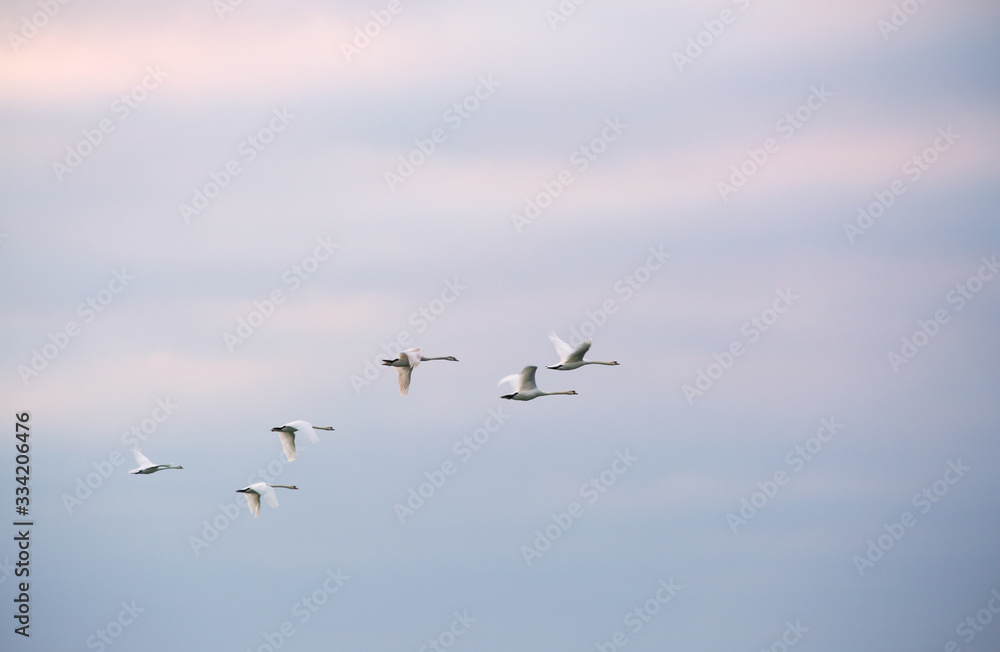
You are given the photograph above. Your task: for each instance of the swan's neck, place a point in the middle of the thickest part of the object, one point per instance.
(423, 359)
(322, 428)
(599, 362)
(282, 486)
(570, 392)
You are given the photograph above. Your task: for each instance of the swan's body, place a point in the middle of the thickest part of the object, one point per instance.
(287, 435)
(147, 467)
(406, 363)
(259, 490)
(524, 386)
(570, 358)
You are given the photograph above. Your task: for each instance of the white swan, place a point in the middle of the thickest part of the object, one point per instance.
(524, 386)
(146, 467)
(406, 363)
(261, 489)
(287, 435)
(570, 358)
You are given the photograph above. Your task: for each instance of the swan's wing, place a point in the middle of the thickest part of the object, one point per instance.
(267, 493)
(253, 502)
(308, 431)
(512, 379)
(410, 357)
(288, 444)
(563, 350)
(526, 381)
(404, 378)
(141, 459)
(579, 352)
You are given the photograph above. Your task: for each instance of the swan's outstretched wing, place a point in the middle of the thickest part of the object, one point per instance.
(563, 350)
(308, 431)
(410, 357)
(526, 381)
(577, 354)
(141, 459)
(287, 444)
(305, 428)
(404, 378)
(511, 379)
(253, 502)
(269, 496)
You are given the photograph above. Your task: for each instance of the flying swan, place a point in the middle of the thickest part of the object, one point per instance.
(261, 489)
(406, 363)
(524, 386)
(570, 358)
(146, 467)
(287, 435)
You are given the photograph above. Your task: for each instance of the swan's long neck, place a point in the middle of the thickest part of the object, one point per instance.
(423, 359)
(282, 486)
(322, 428)
(570, 392)
(599, 362)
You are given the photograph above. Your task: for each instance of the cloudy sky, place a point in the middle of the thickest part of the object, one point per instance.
(778, 217)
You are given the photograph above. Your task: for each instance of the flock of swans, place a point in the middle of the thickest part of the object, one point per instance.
(523, 384)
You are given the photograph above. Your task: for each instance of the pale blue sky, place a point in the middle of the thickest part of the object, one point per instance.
(307, 217)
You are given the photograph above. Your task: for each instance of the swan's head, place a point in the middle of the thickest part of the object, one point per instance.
(614, 362)
(452, 358)
(572, 392)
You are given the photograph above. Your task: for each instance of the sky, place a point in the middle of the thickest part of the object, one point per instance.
(779, 218)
